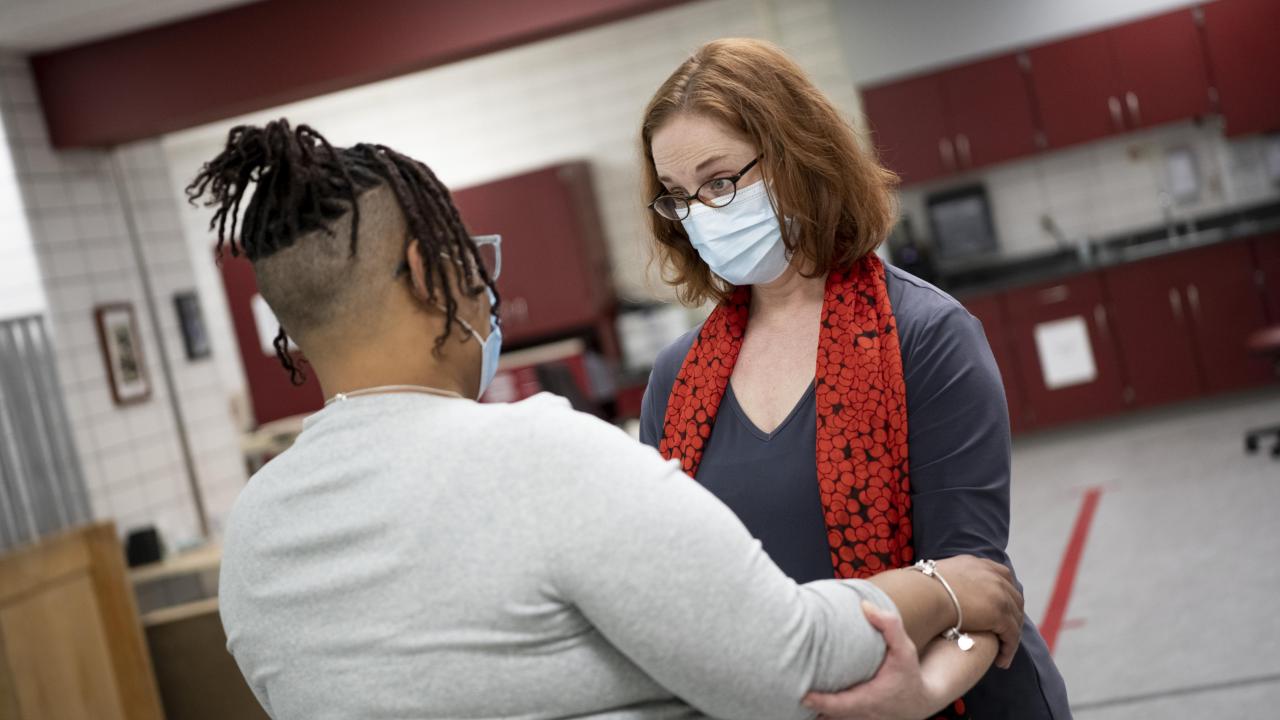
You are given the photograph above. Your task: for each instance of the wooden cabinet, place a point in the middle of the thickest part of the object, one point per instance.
(1152, 327)
(1044, 318)
(1266, 253)
(71, 644)
(1183, 320)
(956, 120)
(1136, 75)
(1161, 69)
(1243, 51)
(910, 128)
(1076, 89)
(989, 106)
(555, 271)
(1226, 307)
(988, 310)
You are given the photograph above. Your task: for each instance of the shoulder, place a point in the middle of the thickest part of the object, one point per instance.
(924, 313)
(547, 427)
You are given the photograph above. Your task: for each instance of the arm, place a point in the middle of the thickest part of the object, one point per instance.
(671, 578)
(908, 687)
(959, 436)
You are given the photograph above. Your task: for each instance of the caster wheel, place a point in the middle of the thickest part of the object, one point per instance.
(1275, 450)
(1251, 444)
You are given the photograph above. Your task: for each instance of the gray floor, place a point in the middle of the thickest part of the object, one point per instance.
(1175, 609)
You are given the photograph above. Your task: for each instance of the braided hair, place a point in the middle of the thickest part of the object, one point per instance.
(303, 185)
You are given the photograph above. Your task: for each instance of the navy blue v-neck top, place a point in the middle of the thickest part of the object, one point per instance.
(958, 439)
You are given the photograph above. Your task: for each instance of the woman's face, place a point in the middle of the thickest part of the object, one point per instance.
(688, 150)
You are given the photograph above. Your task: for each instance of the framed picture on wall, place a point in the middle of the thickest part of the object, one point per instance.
(195, 338)
(122, 352)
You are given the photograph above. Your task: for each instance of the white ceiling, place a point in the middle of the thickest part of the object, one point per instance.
(32, 25)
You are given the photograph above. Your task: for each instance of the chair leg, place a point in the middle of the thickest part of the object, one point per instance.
(1253, 439)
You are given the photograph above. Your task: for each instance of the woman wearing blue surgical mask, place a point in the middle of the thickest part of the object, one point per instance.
(851, 414)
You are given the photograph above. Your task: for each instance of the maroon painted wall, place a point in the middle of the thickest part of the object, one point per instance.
(264, 54)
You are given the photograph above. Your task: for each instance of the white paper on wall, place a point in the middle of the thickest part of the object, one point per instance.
(1066, 355)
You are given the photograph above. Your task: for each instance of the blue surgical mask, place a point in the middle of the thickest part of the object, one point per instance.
(742, 241)
(491, 346)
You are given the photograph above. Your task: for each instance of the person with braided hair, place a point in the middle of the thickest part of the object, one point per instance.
(417, 554)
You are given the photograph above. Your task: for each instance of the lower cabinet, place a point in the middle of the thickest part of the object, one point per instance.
(1135, 335)
(1065, 352)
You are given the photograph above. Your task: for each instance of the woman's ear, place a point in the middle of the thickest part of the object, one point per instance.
(417, 270)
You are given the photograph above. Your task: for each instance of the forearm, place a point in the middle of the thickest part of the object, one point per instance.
(925, 607)
(950, 672)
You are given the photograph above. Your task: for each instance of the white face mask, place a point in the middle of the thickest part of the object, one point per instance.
(742, 241)
(491, 346)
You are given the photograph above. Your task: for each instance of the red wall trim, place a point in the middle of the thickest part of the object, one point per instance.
(268, 53)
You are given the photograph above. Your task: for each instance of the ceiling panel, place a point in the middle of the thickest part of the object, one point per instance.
(35, 25)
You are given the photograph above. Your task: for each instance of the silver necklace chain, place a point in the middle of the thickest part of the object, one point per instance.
(381, 389)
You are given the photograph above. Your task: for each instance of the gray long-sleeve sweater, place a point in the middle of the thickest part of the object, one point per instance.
(413, 556)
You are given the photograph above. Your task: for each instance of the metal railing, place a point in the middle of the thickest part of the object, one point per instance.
(41, 486)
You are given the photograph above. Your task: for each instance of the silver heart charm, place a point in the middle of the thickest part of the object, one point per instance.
(965, 642)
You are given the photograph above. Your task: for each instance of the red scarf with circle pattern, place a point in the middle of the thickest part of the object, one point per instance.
(863, 475)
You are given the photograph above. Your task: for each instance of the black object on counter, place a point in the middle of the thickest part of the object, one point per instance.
(143, 546)
(960, 220)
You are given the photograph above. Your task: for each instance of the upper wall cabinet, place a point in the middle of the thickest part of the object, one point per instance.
(1137, 75)
(954, 120)
(1243, 39)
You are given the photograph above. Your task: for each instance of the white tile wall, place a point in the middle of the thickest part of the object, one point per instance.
(1108, 187)
(77, 215)
(578, 96)
(21, 292)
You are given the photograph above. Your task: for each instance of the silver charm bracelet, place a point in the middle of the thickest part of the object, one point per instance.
(962, 640)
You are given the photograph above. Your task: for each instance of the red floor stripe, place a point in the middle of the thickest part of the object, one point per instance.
(1061, 597)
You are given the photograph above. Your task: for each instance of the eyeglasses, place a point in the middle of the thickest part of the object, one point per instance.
(488, 247)
(716, 193)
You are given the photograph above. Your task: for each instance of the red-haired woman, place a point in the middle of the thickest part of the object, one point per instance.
(848, 412)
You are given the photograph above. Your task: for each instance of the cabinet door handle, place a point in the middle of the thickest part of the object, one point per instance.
(1055, 294)
(1175, 303)
(962, 144)
(1100, 316)
(1117, 119)
(1193, 298)
(947, 152)
(1135, 109)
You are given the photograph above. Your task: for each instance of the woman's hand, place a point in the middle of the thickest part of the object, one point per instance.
(897, 692)
(989, 600)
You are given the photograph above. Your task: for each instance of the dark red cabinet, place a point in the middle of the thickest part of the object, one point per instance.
(1081, 303)
(1226, 307)
(1266, 253)
(951, 121)
(1243, 44)
(1136, 75)
(555, 271)
(1183, 321)
(1161, 68)
(1076, 89)
(988, 310)
(1152, 326)
(989, 107)
(910, 129)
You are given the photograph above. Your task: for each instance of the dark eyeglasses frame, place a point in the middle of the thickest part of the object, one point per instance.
(698, 195)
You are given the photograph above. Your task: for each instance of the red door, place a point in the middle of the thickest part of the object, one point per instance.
(908, 123)
(1077, 89)
(1151, 323)
(1266, 252)
(555, 276)
(988, 310)
(989, 104)
(1226, 307)
(1162, 69)
(1243, 38)
(1064, 351)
